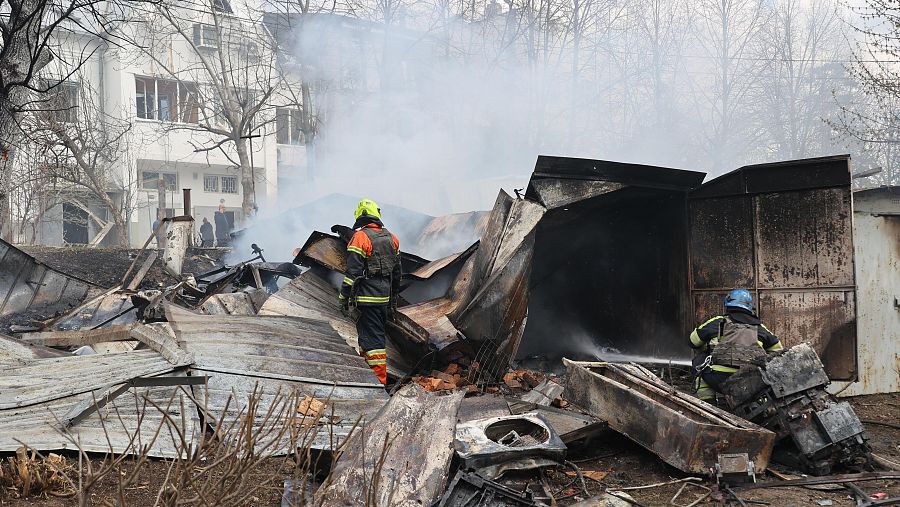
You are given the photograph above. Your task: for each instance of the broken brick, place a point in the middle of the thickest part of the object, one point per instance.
(452, 369)
(311, 409)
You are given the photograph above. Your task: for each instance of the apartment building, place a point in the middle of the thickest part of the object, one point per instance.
(173, 125)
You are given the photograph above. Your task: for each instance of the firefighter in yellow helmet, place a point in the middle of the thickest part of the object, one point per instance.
(372, 282)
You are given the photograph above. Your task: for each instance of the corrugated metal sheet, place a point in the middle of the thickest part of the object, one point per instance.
(246, 302)
(434, 267)
(876, 235)
(278, 353)
(24, 282)
(35, 395)
(29, 382)
(98, 311)
(12, 349)
(496, 307)
(449, 233)
(407, 445)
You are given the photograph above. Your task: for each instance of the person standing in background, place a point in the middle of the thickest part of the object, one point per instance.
(206, 234)
(223, 228)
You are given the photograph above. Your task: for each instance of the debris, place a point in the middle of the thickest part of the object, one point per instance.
(245, 302)
(404, 446)
(608, 499)
(311, 409)
(686, 433)
(597, 475)
(11, 348)
(570, 426)
(277, 354)
(734, 469)
(494, 445)
(35, 395)
(80, 337)
(789, 396)
(544, 393)
(471, 489)
(27, 284)
(145, 268)
(828, 479)
(824, 502)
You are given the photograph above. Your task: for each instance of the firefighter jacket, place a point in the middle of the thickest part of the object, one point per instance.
(373, 267)
(737, 326)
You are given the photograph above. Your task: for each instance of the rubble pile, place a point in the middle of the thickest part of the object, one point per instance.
(264, 349)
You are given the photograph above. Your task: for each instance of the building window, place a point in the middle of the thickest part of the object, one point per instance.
(210, 183)
(150, 180)
(206, 36)
(165, 100)
(229, 185)
(222, 6)
(63, 103)
(287, 126)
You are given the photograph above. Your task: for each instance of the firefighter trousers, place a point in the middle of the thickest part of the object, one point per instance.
(707, 384)
(370, 328)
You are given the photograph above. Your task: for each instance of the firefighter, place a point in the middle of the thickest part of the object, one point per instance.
(739, 327)
(371, 282)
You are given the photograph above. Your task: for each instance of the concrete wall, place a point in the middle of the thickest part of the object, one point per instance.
(877, 243)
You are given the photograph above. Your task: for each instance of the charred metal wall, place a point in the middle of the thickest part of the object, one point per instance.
(611, 271)
(783, 231)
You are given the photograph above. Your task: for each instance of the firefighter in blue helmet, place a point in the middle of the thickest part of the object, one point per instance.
(739, 327)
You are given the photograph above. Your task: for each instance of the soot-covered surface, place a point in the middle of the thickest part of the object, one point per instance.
(611, 272)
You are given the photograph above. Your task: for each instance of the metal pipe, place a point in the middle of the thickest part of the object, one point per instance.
(186, 198)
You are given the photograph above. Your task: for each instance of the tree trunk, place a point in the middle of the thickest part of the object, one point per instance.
(248, 186)
(20, 36)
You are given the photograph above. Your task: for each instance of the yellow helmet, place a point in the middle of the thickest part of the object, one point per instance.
(367, 207)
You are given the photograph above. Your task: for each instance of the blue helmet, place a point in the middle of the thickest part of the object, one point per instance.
(739, 298)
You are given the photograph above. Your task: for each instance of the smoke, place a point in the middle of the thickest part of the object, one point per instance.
(436, 106)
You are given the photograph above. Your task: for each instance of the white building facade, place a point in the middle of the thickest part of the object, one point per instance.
(164, 102)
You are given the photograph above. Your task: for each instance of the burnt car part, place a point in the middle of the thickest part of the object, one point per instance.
(686, 433)
(494, 445)
(788, 396)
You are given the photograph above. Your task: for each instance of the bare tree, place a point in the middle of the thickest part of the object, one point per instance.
(29, 32)
(219, 55)
(86, 149)
(728, 33)
(869, 113)
(801, 39)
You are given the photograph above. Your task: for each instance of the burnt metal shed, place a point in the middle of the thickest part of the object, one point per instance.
(610, 266)
(784, 231)
(629, 258)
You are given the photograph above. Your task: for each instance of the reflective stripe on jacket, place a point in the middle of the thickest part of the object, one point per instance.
(707, 335)
(367, 251)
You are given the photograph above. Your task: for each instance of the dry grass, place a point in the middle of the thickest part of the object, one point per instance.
(230, 463)
(31, 474)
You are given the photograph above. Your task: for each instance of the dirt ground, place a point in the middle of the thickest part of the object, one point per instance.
(624, 464)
